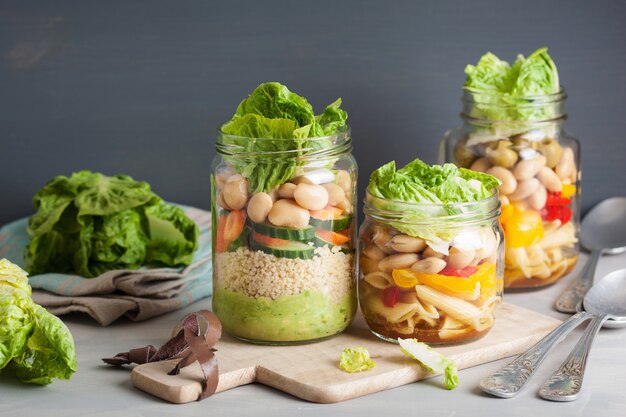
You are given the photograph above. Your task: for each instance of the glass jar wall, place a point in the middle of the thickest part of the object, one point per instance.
(430, 271)
(523, 143)
(284, 238)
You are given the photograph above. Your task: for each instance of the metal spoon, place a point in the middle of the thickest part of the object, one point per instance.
(603, 231)
(606, 299)
(510, 379)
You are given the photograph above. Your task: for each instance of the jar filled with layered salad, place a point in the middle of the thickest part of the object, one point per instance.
(514, 130)
(431, 253)
(283, 188)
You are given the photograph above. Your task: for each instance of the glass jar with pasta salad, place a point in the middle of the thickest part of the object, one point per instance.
(430, 253)
(516, 133)
(284, 191)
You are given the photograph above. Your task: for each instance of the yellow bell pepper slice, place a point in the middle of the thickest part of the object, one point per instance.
(505, 213)
(568, 190)
(465, 288)
(404, 278)
(524, 227)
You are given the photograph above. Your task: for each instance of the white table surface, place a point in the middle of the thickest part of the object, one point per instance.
(100, 390)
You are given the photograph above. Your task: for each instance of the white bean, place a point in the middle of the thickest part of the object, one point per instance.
(311, 197)
(459, 259)
(286, 213)
(481, 165)
(259, 207)
(344, 180)
(220, 180)
(550, 180)
(524, 189)
(373, 252)
(431, 253)
(399, 261)
(406, 243)
(429, 265)
(509, 183)
(537, 200)
(336, 194)
(528, 168)
(566, 165)
(220, 201)
(236, 192)
(286, 190)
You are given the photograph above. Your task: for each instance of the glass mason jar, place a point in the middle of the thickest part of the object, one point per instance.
(442, 290)
(284, 233)
(538, 164)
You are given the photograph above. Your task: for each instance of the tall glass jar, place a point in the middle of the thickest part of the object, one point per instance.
(284, 237)
(524, 144)
(430, 271)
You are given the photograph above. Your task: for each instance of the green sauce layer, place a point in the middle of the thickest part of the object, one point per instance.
(292, 318)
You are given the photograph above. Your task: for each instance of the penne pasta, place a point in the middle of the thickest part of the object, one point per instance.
(426, 309)
(455, 307)
(392, 315)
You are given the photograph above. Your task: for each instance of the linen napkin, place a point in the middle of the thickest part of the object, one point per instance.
(137, 294)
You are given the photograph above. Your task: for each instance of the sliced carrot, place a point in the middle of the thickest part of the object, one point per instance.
(269, 241)
(235, 222)
(332, 237)
(327, 213)
(220, 243)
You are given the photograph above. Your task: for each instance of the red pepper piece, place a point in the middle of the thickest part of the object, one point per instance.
(564, 214)
(464, 273)
(555, 199)
(390, 296)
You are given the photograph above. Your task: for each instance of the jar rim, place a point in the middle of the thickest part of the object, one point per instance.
(480, 210)
(342, 132)
(329, 145)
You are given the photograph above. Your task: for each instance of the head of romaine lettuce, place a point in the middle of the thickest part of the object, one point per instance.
(504, 92)
(418, 195)
(418, 182)
(275, 126)
(36, 344)
(90, 223)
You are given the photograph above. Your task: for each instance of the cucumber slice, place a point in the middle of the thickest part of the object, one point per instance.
(285, 233)
(293, 250)
(242, 240)
(336, 225)
(319, 242)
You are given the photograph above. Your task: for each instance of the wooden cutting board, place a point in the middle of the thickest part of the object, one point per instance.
(311, 371)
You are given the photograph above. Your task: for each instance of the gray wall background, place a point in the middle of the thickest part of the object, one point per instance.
(139, 87)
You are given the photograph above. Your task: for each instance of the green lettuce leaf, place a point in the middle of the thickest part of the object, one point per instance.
(271, 111)
(173, 236)
(115, 241)
(49, 351)
(503, 92)
(433, 187)
(333, 118)
(274, 101)
(434, 362)
(33, 342)
(418, 182)
(90, 224)
(356, 359)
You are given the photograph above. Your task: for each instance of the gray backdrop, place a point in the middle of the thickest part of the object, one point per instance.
(140, 87)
